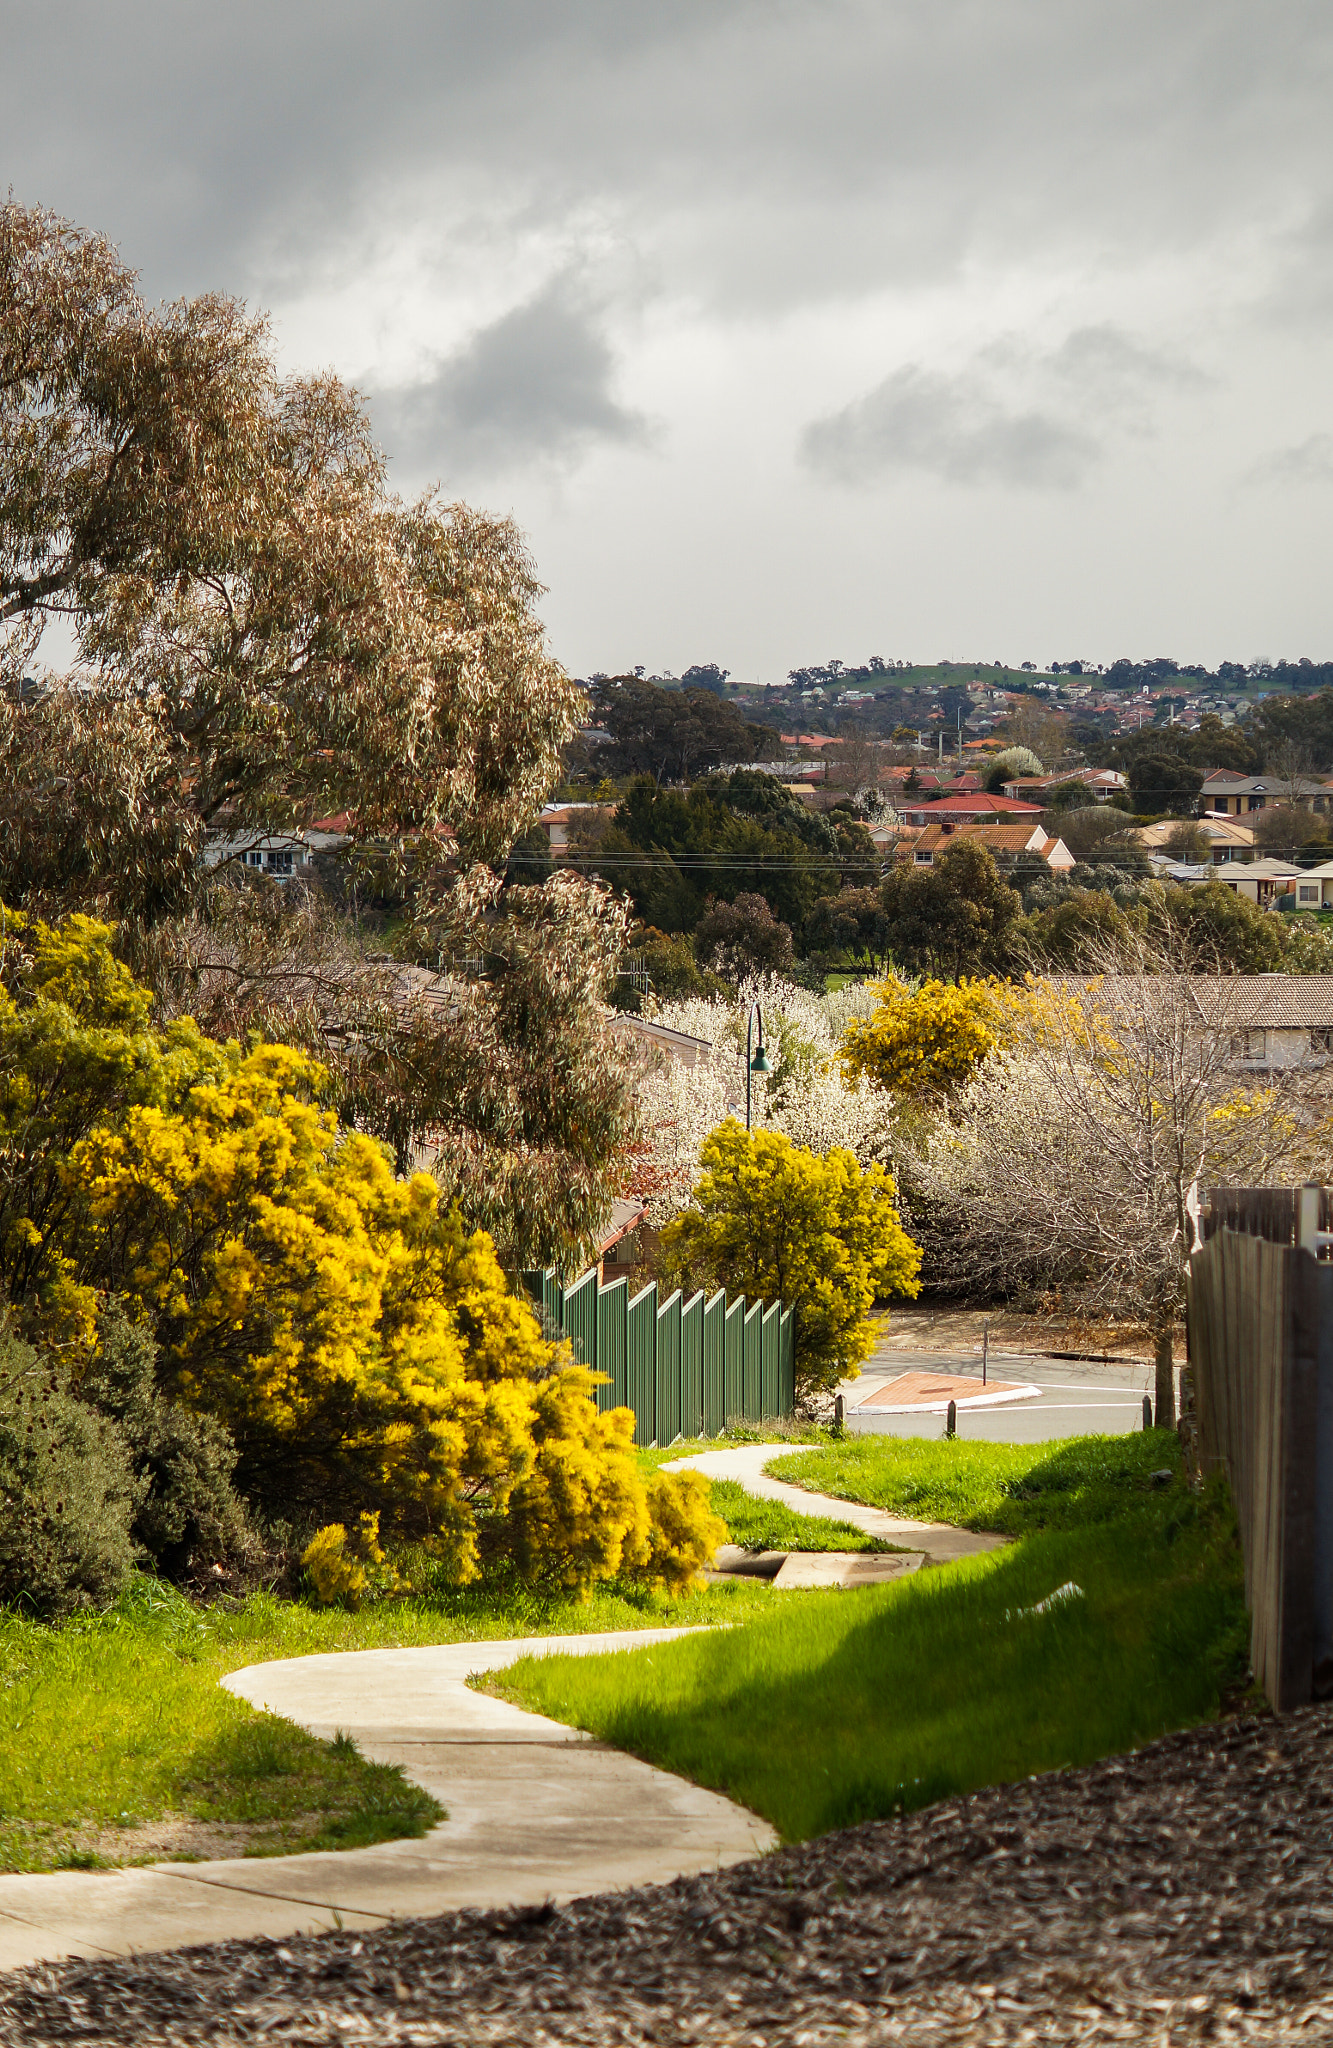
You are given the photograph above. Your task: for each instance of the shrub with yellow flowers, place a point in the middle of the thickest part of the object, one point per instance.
(363, 1349)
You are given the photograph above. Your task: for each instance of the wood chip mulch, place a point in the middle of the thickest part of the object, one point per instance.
(1180, 1895)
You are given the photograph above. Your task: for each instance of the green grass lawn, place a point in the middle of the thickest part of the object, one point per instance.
(834, 1708)
(769, 1525)
(1013, 1488)
(113, 1721)
(758, 1524)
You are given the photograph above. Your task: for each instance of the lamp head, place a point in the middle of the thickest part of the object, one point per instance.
(759, 1064)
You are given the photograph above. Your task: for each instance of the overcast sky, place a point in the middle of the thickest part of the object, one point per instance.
(987, 329)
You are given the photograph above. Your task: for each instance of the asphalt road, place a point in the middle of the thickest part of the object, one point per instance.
(1078, 1398)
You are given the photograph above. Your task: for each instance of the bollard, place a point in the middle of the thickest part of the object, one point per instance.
(1147, 1412)
(839, 1411)
(951, 1419)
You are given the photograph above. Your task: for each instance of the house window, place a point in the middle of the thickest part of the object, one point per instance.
(1249, 1045)
(278, 863)
(1321, 1038)
(1308, 892)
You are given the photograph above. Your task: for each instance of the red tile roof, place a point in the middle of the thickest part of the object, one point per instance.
(981, 803)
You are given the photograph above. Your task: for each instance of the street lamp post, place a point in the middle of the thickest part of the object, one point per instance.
(759, 1064)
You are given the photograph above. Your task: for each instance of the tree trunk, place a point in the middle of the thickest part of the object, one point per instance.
(1164, 1403)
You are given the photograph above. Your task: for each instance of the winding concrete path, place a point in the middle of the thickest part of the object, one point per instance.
(939, 1543)
(535, 1811)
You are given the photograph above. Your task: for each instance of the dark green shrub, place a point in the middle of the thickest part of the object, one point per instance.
(68, 1492)
(189, 1519)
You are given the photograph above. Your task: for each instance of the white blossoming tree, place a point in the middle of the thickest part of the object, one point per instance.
(806, 1096)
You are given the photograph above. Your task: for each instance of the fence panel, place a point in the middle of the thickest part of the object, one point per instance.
(580, 1317)
(668, 1369)
(715, 1383)
(768, 1361)
(643, 1365)
(734, 1359)
(692, 1367)
(685, 1368)
(787, 1364)
(1261, 1357)
(613, 1343)
(753, 1404)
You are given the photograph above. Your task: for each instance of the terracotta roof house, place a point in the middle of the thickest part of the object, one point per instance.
(1008, 842)
(964, 809)
(556, 819)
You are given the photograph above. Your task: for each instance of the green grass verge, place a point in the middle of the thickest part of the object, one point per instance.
(769, 1525)
(835, 1708)
(758, 1524)
(109, 1723)
(1014, 1489)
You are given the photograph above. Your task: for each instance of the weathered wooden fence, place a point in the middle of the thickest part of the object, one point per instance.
(686, 1368)
(1260, 1305)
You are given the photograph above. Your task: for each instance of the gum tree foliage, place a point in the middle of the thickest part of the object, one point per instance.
(265, 636)
(357, 1343)
(950, 918)
(769, 1219)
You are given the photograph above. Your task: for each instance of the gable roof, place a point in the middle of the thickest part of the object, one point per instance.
(982, 803)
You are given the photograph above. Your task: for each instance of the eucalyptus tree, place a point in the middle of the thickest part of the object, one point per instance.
(255, 633)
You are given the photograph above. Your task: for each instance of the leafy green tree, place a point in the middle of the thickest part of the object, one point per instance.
(1163, 782)
(952, 917)
(769, 1219)
(852, 922)
(742, 938)
(729, 836)
(1216, 930)
(671, 735)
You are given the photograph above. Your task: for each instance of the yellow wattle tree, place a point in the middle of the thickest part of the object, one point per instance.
(770, 1219)
(362, 1347)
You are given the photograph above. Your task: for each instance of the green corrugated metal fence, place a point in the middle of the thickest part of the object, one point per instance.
(686, 1368)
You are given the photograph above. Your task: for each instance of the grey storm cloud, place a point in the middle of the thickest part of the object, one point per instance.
(535, 384)
(1015, 416)
(766, 155)
(1308, 462)
(950, 427)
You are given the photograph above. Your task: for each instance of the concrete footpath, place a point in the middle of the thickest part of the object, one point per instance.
(936, 1541)
(535, 1811)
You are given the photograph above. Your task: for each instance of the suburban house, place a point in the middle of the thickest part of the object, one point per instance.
(1103, 784)
(619, 1243)
(1229, 839)
(967, 808)
(556, 820)
(1262, 881)
(1008, 842)
(1233, 795)
(277, 854)
(650, 1042)
(1270, 1020)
